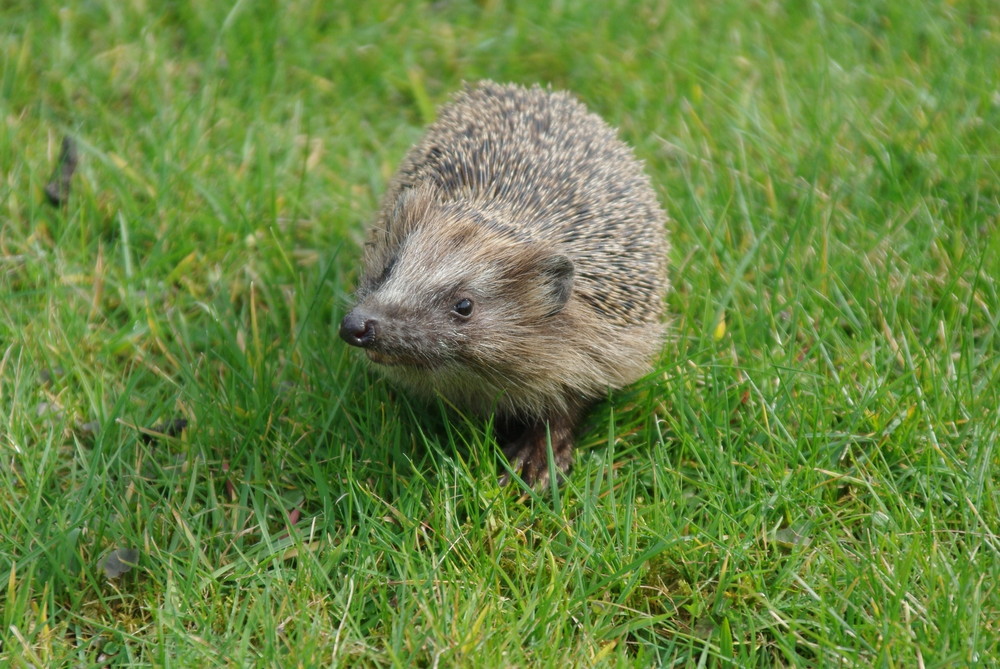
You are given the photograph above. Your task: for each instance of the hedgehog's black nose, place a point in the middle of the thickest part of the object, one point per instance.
(358, 329)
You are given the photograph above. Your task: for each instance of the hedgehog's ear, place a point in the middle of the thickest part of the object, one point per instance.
(556, 274)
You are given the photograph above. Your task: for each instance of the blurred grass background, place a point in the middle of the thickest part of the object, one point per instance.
(808, 478)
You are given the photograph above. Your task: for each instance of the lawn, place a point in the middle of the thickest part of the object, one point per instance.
(196, 471)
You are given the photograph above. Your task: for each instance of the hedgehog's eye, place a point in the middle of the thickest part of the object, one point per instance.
(463, 307)
(386, 272)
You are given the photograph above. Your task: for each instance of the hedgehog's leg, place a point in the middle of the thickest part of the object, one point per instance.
(528, 453)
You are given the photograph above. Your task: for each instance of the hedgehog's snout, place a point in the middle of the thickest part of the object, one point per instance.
(359, 328)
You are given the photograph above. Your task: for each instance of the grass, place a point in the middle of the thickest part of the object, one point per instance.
(808, 478)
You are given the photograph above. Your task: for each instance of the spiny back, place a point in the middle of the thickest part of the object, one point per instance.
(538, 162)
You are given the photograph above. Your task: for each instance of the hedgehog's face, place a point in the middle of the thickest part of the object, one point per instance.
(457, 296)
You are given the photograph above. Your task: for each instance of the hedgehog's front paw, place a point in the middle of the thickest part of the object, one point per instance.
(528, 455)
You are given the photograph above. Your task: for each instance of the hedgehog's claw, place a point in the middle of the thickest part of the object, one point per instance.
(528, 454)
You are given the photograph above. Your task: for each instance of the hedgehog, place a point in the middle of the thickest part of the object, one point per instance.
(517, 267)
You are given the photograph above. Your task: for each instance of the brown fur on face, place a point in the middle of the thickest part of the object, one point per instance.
(525, 210)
